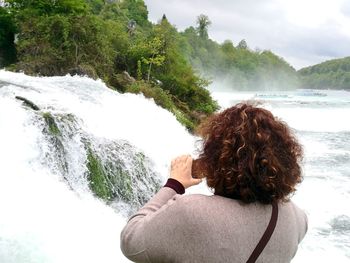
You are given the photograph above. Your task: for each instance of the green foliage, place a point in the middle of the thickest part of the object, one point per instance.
(332, 74)
(93, 37)
(46, 7)
(136, 10)
(96, 5)
(177, 75)
(203, 23)
(57, 44)
(163, 49)
(106, 38)
(238, 67)
(182, 118)
(155, 55)
(7, 35)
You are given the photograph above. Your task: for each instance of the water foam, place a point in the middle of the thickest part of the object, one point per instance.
(42, 219)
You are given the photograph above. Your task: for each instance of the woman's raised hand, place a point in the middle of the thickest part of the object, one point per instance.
(181, 170)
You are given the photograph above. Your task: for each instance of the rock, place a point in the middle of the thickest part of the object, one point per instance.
(28, 103)
(117, 171)
(127, 77)
(83, 70)
(50, 121)
(122, 81)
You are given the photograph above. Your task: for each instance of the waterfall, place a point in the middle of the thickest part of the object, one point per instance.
(76, 159)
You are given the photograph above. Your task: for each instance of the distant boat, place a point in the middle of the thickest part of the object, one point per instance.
(272, 96)
(312, 93)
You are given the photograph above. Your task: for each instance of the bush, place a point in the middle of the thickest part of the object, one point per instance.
(7, 36)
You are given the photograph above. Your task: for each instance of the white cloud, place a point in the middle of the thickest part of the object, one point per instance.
(311, 13)
(304, 32)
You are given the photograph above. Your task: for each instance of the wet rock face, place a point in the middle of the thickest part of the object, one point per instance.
(28, 103)
(117, 171)
(114, 170)
(51, 124)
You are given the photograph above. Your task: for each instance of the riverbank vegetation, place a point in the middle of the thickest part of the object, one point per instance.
(236, 67)
(115, 41)
(111, 40)
(332, 74)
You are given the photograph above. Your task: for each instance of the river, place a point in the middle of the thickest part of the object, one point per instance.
(48, 211)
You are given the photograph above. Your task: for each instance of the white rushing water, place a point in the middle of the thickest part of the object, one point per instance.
(48, 213)
(321, 122)
(42, 219)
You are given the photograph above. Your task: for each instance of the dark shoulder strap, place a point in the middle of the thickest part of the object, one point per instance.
(266, 236)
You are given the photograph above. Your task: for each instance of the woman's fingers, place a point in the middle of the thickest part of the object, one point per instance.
(196, 181)
(181, 170)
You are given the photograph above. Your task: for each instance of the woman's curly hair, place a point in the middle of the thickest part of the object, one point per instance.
(250, 155)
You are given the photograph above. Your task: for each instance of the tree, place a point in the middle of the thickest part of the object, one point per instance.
(47, 7)
(96, 5)
(331, 74)
(242, 44)
(56, 37)
(156, 56)
(237, 66)
(102, 38)
(7, 35)
(203, 23)
(136, 10)
(164, 17)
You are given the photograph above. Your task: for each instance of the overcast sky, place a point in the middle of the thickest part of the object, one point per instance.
(304, 32)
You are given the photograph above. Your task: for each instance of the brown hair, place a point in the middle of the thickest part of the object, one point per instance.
(250, 155)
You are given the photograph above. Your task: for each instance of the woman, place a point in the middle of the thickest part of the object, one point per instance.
(251, 161)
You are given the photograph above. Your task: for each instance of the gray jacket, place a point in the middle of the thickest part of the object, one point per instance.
(200, 228)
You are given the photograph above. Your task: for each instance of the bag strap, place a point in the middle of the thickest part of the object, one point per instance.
(266, 236)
